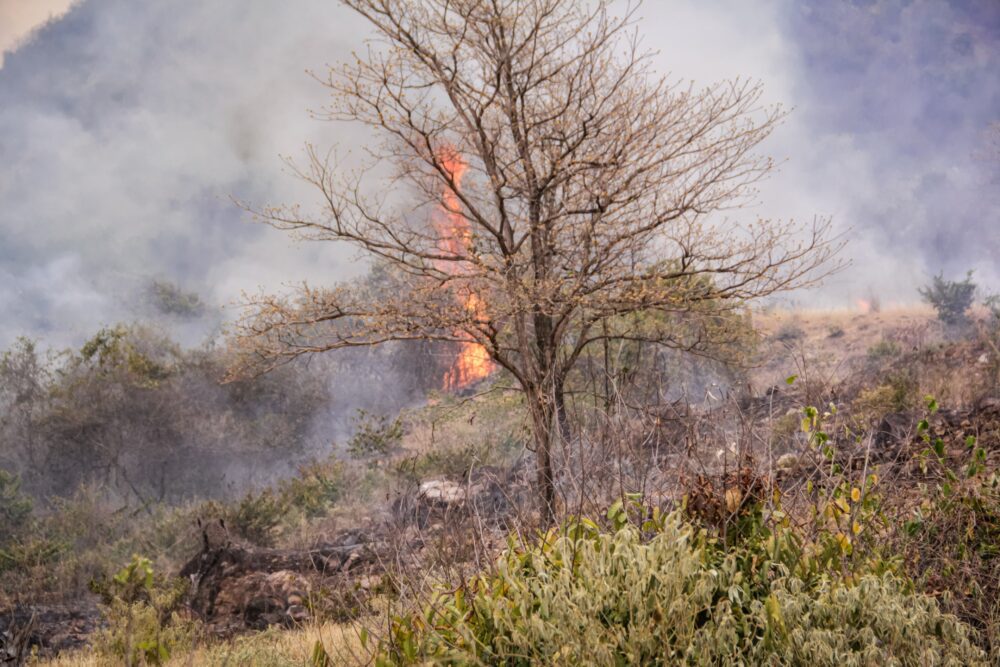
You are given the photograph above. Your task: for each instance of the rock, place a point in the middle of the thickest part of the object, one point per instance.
(258, 599)
(442, 491)
(787, 462)
(488, 493)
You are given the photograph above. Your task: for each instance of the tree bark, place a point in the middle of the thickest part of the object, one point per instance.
(542, 414)
(562, 419)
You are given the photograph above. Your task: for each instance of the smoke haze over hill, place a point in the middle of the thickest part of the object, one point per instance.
(126, 127)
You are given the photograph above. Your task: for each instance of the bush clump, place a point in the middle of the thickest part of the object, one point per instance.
(15, 507)
(884, 349)
(375, 436)
(583, 596)
(952, 549)
(950, 298)
(260, 517)
(789, 332)
(143, 623)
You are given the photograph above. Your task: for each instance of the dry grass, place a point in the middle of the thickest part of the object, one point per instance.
(451, 424)
(860, 329)
(826, 338)
(272, 648)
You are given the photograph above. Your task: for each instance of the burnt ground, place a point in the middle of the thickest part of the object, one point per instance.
(48, 629)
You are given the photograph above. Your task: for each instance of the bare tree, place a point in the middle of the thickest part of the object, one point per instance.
(562, 188)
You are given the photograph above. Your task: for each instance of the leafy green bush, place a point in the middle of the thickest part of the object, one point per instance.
(582, 596)
(143, 624)
(950, 298)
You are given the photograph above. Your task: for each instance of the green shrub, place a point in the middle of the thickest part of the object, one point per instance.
(582, 596)
(261, 516)
(317, 486)
(15, 507)
(884, 349)
(256, 517)
(30, 553)
(143, 623)
(950, 298)
(374, 436)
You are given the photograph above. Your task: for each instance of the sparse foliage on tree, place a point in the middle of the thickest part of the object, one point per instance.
(170, 299)
(580, 188)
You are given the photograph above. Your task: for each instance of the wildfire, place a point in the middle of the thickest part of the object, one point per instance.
(473, 361)
(864, 306)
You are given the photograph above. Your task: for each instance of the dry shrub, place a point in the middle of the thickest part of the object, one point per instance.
(725, 501)
(873, 404)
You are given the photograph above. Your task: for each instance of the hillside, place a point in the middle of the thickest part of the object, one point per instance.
(431, 497)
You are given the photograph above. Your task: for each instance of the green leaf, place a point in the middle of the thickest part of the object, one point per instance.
(790, 380)
(939, 447)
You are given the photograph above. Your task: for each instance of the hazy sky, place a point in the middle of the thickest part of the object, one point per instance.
(126, 126)
(18, 18)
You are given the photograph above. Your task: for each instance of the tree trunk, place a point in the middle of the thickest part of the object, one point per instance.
(541, 416)
(562, 419)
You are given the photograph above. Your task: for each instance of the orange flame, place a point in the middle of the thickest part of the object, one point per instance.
(473, 361)
(864, 306)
